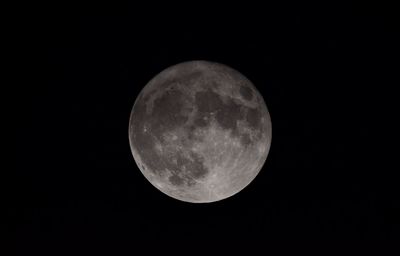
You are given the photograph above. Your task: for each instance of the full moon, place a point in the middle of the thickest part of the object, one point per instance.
(200, 131)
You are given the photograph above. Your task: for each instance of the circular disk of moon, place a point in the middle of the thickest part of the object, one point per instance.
(200, 131)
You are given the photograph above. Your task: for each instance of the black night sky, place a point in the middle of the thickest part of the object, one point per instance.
(322, 72)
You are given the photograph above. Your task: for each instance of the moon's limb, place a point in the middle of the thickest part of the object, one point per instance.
(200, 131)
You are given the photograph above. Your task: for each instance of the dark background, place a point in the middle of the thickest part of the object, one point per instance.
(324, 74)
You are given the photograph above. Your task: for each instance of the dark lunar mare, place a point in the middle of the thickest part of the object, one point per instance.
(210, 105)
(246, 92)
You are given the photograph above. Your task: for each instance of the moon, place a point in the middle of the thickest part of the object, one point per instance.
(200, 131)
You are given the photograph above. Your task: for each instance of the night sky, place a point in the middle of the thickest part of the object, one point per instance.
(323, 75)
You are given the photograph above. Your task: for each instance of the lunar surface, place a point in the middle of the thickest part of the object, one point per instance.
(200, 131)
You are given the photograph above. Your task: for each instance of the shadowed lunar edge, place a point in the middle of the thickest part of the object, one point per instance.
(200, 131)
